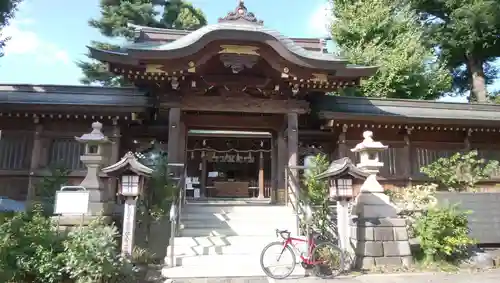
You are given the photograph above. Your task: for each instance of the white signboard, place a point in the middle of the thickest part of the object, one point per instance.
(128, 226)
(72, 202)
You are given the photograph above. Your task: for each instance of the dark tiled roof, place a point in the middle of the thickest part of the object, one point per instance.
(335, 107)
(71, 95)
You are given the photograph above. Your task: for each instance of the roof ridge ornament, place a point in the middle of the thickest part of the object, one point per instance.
(241, 14)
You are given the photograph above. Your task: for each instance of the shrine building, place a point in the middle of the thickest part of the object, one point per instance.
(237, 103)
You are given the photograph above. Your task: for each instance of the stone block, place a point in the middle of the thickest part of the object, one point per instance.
(393, 222)
(400, 233)
(388, 261)
(372, 249)
(353, 233)
(396, 248)
(78, 220)
(365, 262)
(101, 208)
(365, 234)
(407, 261)
(383, 234)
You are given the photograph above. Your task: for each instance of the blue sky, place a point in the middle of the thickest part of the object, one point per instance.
(49, 36)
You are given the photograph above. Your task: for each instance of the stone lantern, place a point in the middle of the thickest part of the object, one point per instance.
(379, 234)
(341, 175)
(94, 158)
(131, 174)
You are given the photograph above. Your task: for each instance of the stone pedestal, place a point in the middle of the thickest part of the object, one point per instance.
(379, 236)
(380, 242)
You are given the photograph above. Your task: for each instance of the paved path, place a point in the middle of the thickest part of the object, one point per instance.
(492, 276)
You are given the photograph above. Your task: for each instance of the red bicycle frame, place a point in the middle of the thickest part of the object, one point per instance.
(289, 241)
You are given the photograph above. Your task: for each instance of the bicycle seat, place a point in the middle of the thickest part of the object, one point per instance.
(281, 231)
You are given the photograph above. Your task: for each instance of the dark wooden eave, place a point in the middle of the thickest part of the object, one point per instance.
(405, 111)
(73, 98)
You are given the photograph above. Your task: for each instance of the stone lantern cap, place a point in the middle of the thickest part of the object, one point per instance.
(128, 163)
(96, 136)
(368, 143)
(342, 167)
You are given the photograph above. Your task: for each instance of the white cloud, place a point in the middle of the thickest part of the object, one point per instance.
(320, 20)
(25, 42)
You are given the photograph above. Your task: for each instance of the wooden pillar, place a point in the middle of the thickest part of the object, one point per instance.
(342, 145)
(274, 168)
(407, 158)
(115, 155)
(467, 145)
(293, 147)
(203, 177)
(36, 152)
(182, 142)
(261, 175)
(174, 117)
(281, 166)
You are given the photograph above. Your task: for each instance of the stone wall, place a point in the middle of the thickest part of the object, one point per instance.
(484, 221)
(380, 242)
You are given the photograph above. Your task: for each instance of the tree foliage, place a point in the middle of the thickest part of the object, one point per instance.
(7, 9)
(114, 20)
(466, 33)
(387, 34)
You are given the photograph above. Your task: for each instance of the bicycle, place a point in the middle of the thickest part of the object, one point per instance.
(323, 265)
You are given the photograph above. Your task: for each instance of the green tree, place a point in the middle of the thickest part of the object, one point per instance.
(113, 23)
(7, 9)
(466, 33)
(387, 34)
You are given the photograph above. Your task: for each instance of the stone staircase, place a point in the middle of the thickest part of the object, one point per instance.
(224, 238)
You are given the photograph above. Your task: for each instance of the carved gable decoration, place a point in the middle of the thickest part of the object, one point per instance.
(242, 15)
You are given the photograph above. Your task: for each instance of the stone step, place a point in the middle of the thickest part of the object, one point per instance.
(219, 266)
(235, 209)
(227, 231)
(237, 216)
(210, 241)
(248, 248)
(263, 224)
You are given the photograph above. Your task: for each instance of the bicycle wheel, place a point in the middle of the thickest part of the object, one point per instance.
(278, 253)
(328, 260)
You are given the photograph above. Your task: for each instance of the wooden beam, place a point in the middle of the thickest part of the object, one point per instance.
(243, 104)
(207, 122)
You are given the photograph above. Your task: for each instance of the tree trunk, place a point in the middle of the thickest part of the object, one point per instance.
(479, 92)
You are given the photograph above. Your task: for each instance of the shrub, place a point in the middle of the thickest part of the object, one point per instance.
(30, 249)
(414, 202)
(460, 172)
(91, 255)
(443, 233)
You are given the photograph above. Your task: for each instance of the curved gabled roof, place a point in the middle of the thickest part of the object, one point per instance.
(243, 29)
(239, 26)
